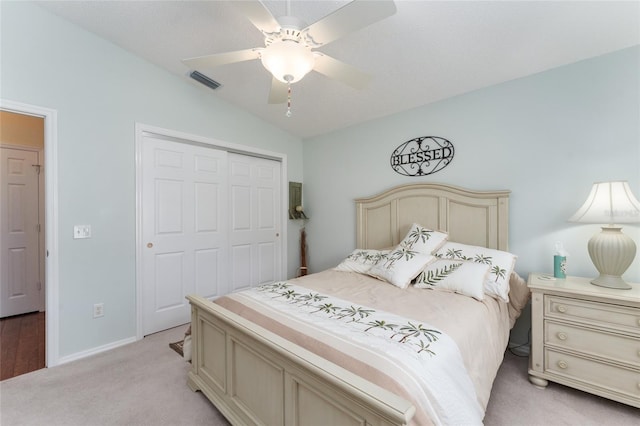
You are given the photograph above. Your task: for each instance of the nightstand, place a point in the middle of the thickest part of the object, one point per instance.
(586, 337)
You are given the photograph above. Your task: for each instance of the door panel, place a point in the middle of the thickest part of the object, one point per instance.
(21, 290)
(206, 207)
(255, 212)
(241, 207)
(266, 268)
(169, 284)
(184, 236)
(206, 278)
(168, 206)
(266, 201)
(241, 260)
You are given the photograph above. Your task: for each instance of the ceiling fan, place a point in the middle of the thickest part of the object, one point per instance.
(289, 45)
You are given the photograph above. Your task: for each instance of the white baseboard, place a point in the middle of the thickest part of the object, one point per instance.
(94, 351)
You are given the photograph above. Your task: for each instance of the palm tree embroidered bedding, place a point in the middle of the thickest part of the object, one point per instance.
(428, 320)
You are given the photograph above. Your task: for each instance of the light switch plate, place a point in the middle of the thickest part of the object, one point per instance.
(82, 231)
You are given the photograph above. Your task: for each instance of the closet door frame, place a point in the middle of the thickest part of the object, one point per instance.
(144, 130)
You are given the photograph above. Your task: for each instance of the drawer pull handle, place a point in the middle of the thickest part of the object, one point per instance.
(562, 308)
(562, 336)
(562, 364)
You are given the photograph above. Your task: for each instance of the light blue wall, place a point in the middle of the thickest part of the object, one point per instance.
(100, 91)
(546, 137)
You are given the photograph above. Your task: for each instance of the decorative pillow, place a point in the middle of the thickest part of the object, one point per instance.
(400, 266)
(423, 240)
(457, 275)
(500, 263)
(361, 260)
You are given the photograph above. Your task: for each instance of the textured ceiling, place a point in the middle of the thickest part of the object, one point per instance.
(427, 51)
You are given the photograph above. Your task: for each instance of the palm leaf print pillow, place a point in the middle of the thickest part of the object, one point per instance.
(361, 261)
(455, 275)
(501, 264)
(401, 266)
(423, 240)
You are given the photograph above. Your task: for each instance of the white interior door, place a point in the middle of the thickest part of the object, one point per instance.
(255, 214)
(21, 290)
(184, 220)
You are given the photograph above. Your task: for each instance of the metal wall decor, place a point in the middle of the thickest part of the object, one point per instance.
(422, 156)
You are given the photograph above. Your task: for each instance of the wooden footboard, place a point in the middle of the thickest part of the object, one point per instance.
(254, 376)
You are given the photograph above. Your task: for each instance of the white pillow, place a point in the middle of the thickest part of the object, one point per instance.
(500, 263)
(400, 266)
(423, 240)
(457, 275)
(361, 260)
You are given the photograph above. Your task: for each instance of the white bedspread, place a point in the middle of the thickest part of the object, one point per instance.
(425, 360)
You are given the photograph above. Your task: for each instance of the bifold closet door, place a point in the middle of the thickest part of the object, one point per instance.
(255, 218)
(184, 229)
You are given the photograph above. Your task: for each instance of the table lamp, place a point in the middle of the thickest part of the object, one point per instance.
(611, 251)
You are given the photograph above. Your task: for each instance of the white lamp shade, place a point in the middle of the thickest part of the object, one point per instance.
(609, 203)
(287, 60)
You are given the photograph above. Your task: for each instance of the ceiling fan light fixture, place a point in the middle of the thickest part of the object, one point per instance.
(287, 60)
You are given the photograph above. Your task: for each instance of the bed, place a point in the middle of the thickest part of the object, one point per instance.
(344, 347)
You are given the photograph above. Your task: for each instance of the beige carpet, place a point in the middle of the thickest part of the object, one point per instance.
(144, 383)
(515, 401)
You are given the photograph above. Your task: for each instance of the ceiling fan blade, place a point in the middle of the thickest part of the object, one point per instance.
(278, 92)
(352, 17)
(212, 61)
(258, 14)
(338, 70)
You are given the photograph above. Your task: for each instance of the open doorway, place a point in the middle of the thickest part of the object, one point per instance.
(50, 177)
(22, 252)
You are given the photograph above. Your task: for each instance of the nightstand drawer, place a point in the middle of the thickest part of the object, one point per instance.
(614, 317)
(594, 374)
(593, 342)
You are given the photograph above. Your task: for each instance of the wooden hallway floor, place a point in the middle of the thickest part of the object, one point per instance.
(22, 343)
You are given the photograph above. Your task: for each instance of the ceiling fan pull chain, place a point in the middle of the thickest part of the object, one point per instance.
(288, 114)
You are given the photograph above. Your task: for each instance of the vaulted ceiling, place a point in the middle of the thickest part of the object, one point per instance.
(427, 51)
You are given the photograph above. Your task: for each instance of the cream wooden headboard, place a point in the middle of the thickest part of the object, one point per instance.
(478, 218)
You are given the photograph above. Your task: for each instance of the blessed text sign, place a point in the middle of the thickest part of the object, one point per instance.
(422, 156)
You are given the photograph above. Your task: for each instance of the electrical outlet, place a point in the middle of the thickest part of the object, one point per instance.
(98, 310)
(81, 231)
